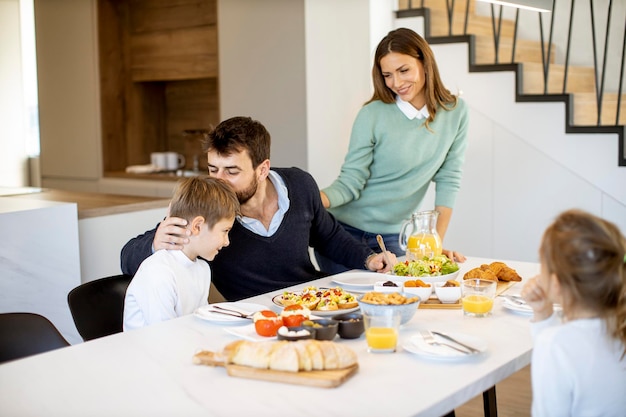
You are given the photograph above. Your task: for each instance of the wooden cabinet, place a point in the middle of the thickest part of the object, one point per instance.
(158, 78)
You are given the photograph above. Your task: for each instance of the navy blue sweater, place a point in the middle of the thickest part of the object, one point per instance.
(254, 264)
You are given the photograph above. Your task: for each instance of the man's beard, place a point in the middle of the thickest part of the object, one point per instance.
(245, 195)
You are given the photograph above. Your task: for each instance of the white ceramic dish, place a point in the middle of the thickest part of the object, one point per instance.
(416, 345)
(424, 293)
(430, 279)
(358, 280)
(518, 308)
(247, 332)
(447, 295)
(380, 287)
(206, 312)
(522, 308)
(320, 313)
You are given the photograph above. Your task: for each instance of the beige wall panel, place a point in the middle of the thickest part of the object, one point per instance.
(68, 88)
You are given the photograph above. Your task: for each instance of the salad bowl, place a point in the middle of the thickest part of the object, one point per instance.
(439, 268)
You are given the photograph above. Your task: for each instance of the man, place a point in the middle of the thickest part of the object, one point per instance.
(281, 216)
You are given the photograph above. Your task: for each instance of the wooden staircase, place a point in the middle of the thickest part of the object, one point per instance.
(491, 42)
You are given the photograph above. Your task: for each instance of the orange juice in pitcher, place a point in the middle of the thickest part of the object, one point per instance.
(424, 244)
(419, 237)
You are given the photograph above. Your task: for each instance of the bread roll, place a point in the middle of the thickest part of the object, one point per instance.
(303, 355)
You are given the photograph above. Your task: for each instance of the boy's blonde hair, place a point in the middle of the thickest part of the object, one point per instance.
(210, 198)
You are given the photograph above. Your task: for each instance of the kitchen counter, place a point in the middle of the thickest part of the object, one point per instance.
(60, 239)
(95, 204)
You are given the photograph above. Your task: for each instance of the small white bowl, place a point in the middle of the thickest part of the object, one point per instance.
(422, 292)
(379, 287)
(447, 295)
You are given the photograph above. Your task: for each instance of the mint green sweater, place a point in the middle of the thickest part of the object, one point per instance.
(390, 163)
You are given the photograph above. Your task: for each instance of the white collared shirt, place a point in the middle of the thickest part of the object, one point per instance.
(410, 111)
(255, 225)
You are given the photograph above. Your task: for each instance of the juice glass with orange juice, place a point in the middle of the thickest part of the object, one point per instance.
(381, 331)
(478, 296)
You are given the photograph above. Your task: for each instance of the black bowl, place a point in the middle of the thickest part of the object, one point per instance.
(310, 334)
(325, 329)
(350, 325)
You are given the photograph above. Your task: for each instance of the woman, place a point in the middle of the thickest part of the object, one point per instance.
(411, 132)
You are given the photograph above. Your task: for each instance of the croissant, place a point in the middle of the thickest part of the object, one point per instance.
(480, 273)
(504, 272)
(303, 355)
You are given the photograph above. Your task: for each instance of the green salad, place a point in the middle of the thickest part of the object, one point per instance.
(437, 265)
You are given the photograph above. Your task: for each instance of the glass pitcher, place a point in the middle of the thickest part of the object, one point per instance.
(419, 237)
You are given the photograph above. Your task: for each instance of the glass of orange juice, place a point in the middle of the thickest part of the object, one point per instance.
(381, 331)
(478, 296)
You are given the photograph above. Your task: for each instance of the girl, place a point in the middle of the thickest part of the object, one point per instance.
(579, 359)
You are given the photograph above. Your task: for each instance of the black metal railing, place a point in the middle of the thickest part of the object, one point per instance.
(571, 16)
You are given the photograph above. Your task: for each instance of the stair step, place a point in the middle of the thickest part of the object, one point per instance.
(586, 109)
(579, 79)
(478, 25)
(525, 51)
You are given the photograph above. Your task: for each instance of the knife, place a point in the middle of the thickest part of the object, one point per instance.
(229, 314)
(445, 336)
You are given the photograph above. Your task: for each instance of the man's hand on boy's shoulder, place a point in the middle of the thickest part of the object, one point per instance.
(171, 234)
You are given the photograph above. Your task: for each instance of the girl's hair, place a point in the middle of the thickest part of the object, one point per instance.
(407, 42)
(210, 198)
(587, 255)
(239, 134)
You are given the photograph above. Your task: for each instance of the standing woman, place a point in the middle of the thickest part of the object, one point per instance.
(411, 132)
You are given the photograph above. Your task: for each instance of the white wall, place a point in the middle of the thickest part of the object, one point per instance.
(262, 71)
(339, 62)
(13, 158)
(102, 238)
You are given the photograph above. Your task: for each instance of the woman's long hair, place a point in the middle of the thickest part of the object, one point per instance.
(407, 42)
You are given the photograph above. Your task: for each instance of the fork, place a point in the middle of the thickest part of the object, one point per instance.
(234, 312)
(430, 339)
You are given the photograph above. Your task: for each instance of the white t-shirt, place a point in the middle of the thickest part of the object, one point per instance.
(166, 285)
(576, 370)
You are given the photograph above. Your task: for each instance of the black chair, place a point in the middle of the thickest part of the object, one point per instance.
(26, 334)
(97, 307)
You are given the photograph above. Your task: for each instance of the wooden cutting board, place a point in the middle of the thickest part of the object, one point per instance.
(321, 379)
(435, 303)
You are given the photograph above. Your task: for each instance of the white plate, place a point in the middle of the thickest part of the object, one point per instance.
(361, 280)
(205, 313)
(416, 344)
(321, 313)
(523, 308)
(518, 308)
(247, 332)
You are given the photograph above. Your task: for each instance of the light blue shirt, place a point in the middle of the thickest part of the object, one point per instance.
(255, 225)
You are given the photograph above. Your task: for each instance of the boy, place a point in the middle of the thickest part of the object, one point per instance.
(173, 283)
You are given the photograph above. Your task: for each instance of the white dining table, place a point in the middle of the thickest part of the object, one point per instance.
(149, 371)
